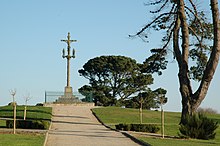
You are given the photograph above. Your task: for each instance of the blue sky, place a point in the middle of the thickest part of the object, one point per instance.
(31, 49)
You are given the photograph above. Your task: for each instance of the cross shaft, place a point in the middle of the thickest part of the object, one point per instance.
(68, 56)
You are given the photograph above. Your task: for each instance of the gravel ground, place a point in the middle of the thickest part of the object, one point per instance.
(76, 126)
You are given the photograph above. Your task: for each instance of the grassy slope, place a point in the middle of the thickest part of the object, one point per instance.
(21, 139)
(33, 112)
(114, 115)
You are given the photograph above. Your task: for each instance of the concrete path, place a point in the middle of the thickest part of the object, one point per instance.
(77, 126)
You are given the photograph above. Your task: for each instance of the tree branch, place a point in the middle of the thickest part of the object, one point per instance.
(214, 57)
(160, 9)
(197, 37)
(176, 41)
(149, 24)
(154, 3)
(194, 7)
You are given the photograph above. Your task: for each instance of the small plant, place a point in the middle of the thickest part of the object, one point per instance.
(138, 127)
(198, 126)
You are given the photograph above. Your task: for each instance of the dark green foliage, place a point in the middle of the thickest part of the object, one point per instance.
(147, 99)
(112, 77)
(160, 96)
(9, 123)
(156, 62)
(29, 124)
(40, 124)
(198, 126)
(86, 91)
(39, 104)
(152, 128)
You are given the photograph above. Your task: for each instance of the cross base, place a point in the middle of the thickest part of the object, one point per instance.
(68, 97)
(68, 90)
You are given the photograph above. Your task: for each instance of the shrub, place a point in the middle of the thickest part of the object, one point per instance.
(39, 104)
(41, 124)
(198, 126)
(29, 124)
(120, 126)
(12, 103)
(127, 127)
(138, 127)
(9, 123)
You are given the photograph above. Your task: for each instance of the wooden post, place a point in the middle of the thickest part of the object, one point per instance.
(14, 125)
(141, 114)
(25, 111)
(13, 92)
(162, 122)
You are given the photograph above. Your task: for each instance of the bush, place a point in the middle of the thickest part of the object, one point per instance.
(198, 126)
(9, 123)
(127, 127)
(39, 104)
(12, 103)
(120, 126)
(138, 127)
(29, 124)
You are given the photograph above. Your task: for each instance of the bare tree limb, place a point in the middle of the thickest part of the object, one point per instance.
(161, 8)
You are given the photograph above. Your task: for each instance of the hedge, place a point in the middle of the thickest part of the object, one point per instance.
(29, 124)
(151, 128)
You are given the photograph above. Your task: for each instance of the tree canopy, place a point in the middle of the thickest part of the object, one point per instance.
(112, 77)
(149, 99)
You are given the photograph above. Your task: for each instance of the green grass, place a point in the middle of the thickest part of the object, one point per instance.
(115, 115)
(2, 123)
(21, 139)
(28, 139)
(33, 112)
(179, 142)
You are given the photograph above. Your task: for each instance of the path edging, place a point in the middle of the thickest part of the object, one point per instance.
(46, 135)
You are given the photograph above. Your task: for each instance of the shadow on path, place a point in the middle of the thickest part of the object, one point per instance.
(93, 134)
(65, 116)
(78, 123)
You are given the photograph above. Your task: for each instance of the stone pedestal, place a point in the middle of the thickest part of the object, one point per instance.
(68, 90)
(68, 97)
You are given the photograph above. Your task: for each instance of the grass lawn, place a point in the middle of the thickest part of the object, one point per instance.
(21, 139)
(116, 115)
(24, 139)
(2, 124)
(33, 112)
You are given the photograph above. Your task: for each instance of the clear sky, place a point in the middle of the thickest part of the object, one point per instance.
(31, 49)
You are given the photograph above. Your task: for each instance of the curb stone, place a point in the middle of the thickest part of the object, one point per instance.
(46, 136)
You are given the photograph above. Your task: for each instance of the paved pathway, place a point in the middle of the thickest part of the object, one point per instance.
(76, 126)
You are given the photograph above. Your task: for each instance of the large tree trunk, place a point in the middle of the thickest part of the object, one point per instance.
(182, 59)
(190, 101)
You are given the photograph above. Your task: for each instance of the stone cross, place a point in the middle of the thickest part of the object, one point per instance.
(68, 88)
